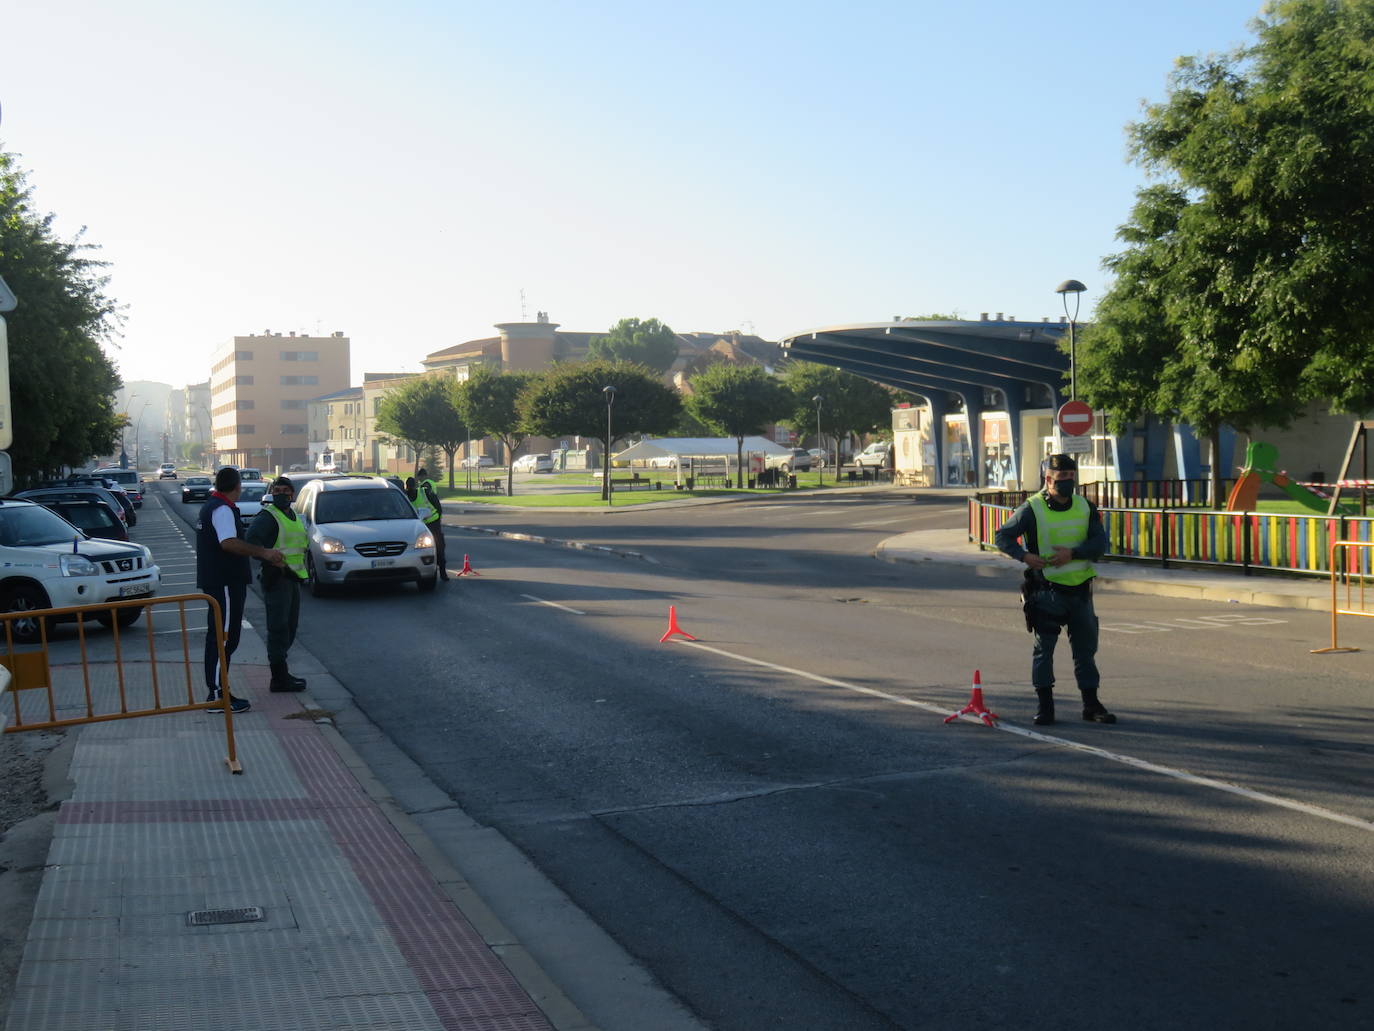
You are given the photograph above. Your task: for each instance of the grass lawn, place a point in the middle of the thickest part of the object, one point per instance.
(1290, 507)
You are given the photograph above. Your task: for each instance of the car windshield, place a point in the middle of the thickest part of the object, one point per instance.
(30, 525)
(253, 491)
(348, 506)
(198, 481)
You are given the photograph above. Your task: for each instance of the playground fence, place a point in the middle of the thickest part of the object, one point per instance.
(1194, 537)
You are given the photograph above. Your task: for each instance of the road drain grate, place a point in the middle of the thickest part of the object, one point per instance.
(243, 915)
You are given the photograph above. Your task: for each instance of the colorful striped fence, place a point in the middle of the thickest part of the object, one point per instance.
(1258, 540)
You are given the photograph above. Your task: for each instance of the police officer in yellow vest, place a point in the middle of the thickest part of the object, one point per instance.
(277, 526)
(424, 496)
(1063, 535)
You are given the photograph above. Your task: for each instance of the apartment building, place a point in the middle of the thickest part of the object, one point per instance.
(260, 392)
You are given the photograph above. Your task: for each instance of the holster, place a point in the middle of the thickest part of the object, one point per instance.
(1043, 609)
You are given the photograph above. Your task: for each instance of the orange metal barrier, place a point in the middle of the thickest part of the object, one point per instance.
(1351, 571)
(136, 695)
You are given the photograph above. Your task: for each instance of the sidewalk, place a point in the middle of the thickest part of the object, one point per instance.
(328, 908)
(952, 547)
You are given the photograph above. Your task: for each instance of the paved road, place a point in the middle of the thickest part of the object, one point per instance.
(778, 824)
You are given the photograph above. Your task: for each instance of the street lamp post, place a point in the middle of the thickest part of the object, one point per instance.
(606, 470)
(1071, 286)
(820, 444)
(138, 425)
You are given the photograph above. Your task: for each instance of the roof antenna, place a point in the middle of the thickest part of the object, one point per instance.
(524, 314)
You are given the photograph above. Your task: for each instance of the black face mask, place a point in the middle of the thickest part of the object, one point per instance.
(282, 501)
(1064, 488)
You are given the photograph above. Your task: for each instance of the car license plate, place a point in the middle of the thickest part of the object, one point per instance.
(134, 590)
(377, 563)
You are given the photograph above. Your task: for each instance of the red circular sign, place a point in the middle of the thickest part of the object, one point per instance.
(1075, 418)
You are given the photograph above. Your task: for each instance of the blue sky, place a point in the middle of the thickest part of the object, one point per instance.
(403, 171)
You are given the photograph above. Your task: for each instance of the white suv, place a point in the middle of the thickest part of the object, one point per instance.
(363, 530)
(45, 562)
(874, 456)
(167, 471)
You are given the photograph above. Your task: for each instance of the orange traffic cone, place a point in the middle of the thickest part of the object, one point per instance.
(467, 569)
(673, 628)
(975, 706)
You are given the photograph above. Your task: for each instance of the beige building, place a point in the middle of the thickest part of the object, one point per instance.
(260, 392)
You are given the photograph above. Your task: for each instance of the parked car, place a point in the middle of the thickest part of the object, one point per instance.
(167, 471)
(49, 563)
(119, 503)
(362, 530)
(92, 517)
(663, 462)
(874, 456)
(796, 460)
(250, 499)
(820, 456)
(533, 464)
(128, 479)
(478, 462)
(196, 488)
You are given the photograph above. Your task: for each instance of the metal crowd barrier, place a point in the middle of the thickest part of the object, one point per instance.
(69, 700)
(1349, 572)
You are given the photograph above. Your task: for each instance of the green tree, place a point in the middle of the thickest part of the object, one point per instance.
(737, 401)
(569, 400)
(424, 413)
(488, 403)
(62, 385)
(649, 343)
(1245, 288)
(849, 403)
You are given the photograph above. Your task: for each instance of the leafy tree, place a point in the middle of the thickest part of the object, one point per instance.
(1246, 288)
(424, 413)
(649, 343)
(849, 403)
(569, 400)
(488, 403)
(62, 385)
(737, 401)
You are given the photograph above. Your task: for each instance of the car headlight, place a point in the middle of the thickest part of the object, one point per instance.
(332, 546)
(425, 540)
(78, 565)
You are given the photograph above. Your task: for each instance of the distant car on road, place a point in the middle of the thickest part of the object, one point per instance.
(250, 499)
(533, 464)
(248, 473)
(129, 480)
(478, 462)
(196, 488)
(795, 461)
(167, 471)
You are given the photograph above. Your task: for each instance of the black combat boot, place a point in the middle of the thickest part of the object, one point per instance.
(1044, 712)
(1093, 710)
(282, 680)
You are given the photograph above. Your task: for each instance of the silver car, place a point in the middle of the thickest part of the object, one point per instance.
(362, 530)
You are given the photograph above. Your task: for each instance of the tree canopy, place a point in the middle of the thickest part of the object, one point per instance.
(489, 404)
(1246, 287)
(649, 343)
(849, 403)
(424, 413)
(569, 400)
(62, 384)
(737, 401)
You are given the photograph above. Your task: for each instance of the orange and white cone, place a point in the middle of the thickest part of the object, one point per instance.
(975, 706)
(467, 569)
(673, 628)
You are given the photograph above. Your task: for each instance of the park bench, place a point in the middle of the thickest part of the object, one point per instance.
(633, 482)
(496, 486)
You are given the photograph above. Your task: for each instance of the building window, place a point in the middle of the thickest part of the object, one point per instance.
(245, 429)
(294, 404)
(300, 356)
(241, 405)
(298, 381)
(291, 429)
(376, 406)
(243, 356)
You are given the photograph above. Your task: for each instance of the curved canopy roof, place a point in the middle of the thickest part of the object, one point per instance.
(940, 357)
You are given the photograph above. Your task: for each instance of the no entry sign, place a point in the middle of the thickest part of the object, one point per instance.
(1075, 418)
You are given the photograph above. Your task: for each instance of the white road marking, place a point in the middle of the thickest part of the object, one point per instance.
(884, 522)
(554, 604)
(1101, 753)
(1197, 623)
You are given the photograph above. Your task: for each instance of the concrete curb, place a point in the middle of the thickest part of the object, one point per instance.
(557, 541)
